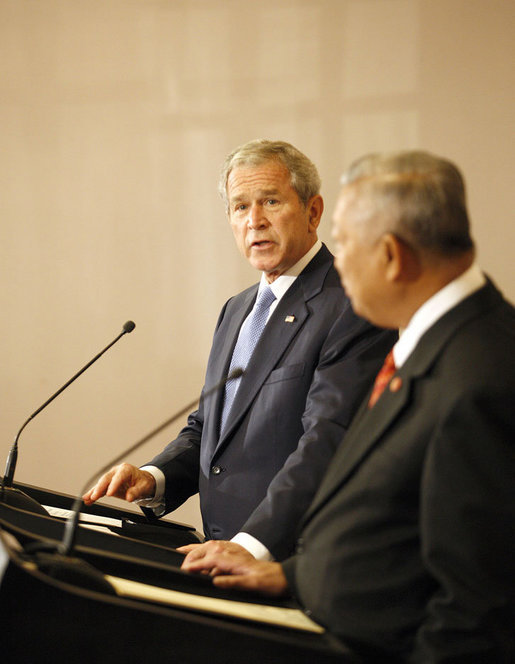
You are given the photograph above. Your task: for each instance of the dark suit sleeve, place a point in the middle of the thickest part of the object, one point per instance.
(350, 358)
(179, 462)
(468, 532)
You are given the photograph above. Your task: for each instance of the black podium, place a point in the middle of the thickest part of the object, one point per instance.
(48, 620)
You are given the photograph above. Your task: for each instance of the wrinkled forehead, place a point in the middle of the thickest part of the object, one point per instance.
(266, 178)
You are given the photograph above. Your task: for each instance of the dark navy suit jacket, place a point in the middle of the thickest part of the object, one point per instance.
(310, 370)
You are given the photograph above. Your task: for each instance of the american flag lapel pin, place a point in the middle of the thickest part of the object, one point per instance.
(289, 319)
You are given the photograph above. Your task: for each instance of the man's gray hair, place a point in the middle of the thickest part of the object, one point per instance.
(303, 173)
(422, 195)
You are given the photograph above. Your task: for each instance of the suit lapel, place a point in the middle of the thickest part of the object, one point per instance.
(276, 338)
(369, 425)
(221, 359)
(361, 439)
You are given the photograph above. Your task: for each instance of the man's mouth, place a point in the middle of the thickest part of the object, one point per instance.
(261, 244)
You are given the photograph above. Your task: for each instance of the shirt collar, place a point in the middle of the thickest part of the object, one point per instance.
(439, 304)
(280, 285)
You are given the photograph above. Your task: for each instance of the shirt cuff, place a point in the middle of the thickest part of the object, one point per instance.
(253, 546)
(155, 502)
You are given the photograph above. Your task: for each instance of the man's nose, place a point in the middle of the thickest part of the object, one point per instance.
(256, 217)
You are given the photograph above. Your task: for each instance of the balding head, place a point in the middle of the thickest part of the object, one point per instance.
(402, 233)
(418, 196)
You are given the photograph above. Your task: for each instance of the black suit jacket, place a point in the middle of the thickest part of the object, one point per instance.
(311, 368)
(409, 545)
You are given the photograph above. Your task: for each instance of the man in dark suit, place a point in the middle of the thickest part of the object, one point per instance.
(258, 463)
(408, 548)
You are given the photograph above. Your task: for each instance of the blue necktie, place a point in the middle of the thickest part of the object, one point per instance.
(249, 336)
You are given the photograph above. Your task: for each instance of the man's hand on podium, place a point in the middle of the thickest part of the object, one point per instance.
(123, 481)
(232, 566)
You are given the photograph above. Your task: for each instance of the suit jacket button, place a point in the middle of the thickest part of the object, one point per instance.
(216, 470)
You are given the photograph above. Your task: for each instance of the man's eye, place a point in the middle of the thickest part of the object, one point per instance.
(272, 201)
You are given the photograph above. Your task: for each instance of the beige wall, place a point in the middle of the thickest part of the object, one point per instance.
(114, 118)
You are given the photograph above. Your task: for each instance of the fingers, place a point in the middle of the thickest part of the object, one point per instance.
(197, 552)
(266, 578)
(240, 581)
(187, 548)
(124, 481)
(199, 555)
(100, 488)
(218, 555)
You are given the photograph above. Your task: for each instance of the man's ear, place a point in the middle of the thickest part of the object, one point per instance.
(315, 208)
(401, 261)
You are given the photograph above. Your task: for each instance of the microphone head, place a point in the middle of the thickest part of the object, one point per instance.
(129, 326)
(235, 373)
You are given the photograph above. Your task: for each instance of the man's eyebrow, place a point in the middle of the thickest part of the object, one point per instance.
(236, 199)
(263, 193)
(269, 192)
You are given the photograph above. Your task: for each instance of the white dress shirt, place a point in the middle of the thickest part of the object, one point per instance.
(439, 304)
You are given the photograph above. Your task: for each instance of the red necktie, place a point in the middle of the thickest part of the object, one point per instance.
(382, 379)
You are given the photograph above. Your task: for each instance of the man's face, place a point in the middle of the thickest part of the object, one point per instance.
(271, 226)
(358, 256)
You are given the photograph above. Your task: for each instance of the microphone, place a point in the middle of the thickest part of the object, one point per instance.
(59, 564)
(8, 493)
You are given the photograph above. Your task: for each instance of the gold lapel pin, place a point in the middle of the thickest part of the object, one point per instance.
(289, 319)
(395, 384)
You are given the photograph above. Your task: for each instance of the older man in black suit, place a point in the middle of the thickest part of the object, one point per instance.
(408, 548)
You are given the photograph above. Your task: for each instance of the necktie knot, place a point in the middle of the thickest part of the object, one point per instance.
(265, 298)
